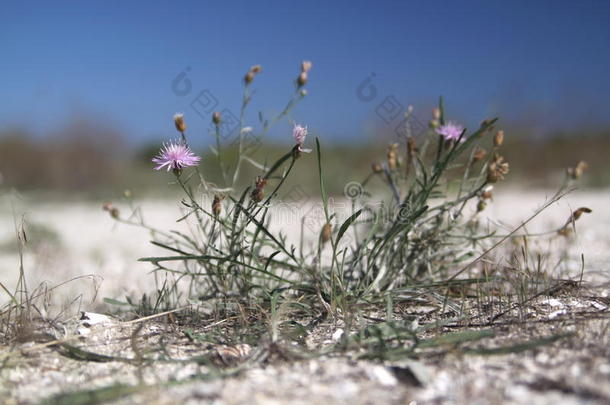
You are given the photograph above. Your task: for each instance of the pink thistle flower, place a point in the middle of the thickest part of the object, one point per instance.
(299, 134)
(175, 156)
(450, 131)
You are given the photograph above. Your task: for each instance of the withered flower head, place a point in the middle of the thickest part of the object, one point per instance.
(326, 232)
(497, 169)
(576, 172)
(376, 167)
(179, 122)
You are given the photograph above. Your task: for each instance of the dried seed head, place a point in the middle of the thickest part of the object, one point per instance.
(479, 153)
(111, 209)
(497, 169)
(567, 228)
(256, 69)
(302, 79)
(216, 118)
(376, 167)
(582, 210)
(499, 138)
(179, 121)
(576, 172)
(217, 204)
(326, 232)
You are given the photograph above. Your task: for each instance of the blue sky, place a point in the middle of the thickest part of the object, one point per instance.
(544, 62)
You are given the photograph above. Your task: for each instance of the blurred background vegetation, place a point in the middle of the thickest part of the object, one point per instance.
(96, 161)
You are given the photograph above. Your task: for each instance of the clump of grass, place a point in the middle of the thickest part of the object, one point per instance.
(421, 239)
(29, 313)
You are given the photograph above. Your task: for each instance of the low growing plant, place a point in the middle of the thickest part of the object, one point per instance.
(422, 237)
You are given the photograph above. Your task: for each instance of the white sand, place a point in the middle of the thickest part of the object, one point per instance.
(93, 244)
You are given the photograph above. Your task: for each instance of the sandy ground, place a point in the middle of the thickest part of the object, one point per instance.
(87, 242)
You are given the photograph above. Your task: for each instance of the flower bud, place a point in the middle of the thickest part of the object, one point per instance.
(436, 114)
(258, 193)
(302, 79)
(392, 156)
(254, 70)
(217, 205)
(179, 122)
(499, 138)
(306, 66)
(111, 209)
(481, 205)
(216, 118)
(249, 77)
(486, 195)
(411, 146)
(326, 232)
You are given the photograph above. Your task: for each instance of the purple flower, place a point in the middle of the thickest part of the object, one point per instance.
(451, 131)
(299, 134)
(175, 156)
